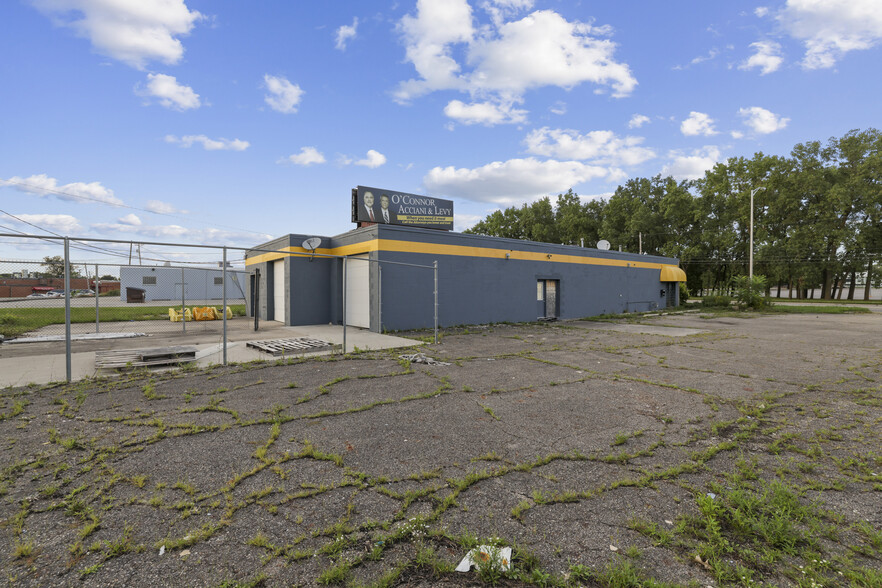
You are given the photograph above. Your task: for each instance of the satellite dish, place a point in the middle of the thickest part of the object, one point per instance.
(312, 243)
(603, 244)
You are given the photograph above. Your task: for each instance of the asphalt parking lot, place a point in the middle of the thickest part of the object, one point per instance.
(737, 450)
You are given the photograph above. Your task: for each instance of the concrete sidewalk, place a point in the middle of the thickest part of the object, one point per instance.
(40, 367)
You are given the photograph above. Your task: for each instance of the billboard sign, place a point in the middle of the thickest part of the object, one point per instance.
(376, 205)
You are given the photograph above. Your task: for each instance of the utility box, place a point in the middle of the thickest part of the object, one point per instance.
(135, 294)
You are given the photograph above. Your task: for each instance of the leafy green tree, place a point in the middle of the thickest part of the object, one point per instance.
(750, 293)
(817, 221)
(538, 222)
(55, 267)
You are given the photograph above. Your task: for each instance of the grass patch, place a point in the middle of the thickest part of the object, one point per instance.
(787, 309)
(15, 322)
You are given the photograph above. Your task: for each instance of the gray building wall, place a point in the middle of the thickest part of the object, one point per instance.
(308, 281)
(473, 287)
(198, 283)
(474, 290)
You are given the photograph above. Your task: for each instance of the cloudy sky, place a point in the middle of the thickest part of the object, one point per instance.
(233, 122)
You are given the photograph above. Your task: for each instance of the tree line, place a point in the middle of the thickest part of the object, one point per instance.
(817, 218)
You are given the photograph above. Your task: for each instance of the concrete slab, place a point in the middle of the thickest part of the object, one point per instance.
(638, 328)
(86, 337)
(21, 369)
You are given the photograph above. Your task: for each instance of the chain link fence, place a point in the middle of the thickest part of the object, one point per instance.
(109, 298)
(102, 289)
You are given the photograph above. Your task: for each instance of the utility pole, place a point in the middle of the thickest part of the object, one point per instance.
(640, 243)
(750, 265)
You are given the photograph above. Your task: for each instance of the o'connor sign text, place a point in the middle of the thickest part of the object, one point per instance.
(377, 205)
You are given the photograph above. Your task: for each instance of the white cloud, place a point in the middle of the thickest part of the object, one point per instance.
(132, 31)
(428, 37)
(160, 207)
(43, 185)
(64, 224)
(701, 58)
(762, 121)
(130, 219)
(170, 93)
(506, 58)
(462, 222)
(831, 28)
(761, 11)
(209, 144)
(693, 165)
(180, 233)
(637, 121)
(767, 57)
(499, 10)
(737, 135)
(601, 147)
(373, 159)
(698, 123)
(558, 108)
(345, 33)
(485, 113)
(544, 49)
(307, 156)
(283, 95)
(711, 55)
(507, 182)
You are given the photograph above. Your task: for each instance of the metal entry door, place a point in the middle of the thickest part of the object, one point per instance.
(279, 291)
(548, 295)
(358, 293)
(671, 294)
(551, 310)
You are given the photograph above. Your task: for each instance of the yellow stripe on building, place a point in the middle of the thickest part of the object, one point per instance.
(458, 250)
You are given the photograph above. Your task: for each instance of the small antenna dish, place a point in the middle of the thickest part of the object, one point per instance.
(603, 244)
(311, 244)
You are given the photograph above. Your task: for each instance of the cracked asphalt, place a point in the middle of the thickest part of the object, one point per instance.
(560, 439)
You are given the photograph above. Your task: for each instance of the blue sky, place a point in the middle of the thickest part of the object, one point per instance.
(235, 122)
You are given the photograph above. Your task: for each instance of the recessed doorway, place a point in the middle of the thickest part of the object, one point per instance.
(548, 297)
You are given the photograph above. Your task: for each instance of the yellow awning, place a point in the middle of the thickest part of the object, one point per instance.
(671, 273)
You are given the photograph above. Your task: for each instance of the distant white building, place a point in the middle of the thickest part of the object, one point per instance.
(167, 283)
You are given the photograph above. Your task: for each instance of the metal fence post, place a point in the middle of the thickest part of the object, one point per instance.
(255, 299)
(379, 297)
(344, 306)
(67, 354)
(224, 309)
(183, 303)
(435, 264)
(97, 292)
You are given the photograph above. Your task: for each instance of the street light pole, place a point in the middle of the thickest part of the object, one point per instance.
(750, 266)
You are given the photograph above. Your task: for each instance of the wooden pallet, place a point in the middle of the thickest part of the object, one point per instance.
(144, 357)
(283, 346)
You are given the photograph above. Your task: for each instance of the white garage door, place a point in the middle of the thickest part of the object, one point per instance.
(358, 296)
(279, 290)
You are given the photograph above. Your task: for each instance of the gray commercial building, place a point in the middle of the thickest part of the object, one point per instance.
(480, 279)
(195, 283)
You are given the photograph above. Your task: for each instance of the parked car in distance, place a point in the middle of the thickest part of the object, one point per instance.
(36, 295)
(82, 293)
(55, 294)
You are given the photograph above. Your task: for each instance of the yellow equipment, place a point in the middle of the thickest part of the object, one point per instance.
(176, 316)
(204, 313)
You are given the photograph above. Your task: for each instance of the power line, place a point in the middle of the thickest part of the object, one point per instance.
(128, 206)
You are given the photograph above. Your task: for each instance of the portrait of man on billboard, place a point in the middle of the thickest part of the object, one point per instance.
(370, 213)
(386, 214)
